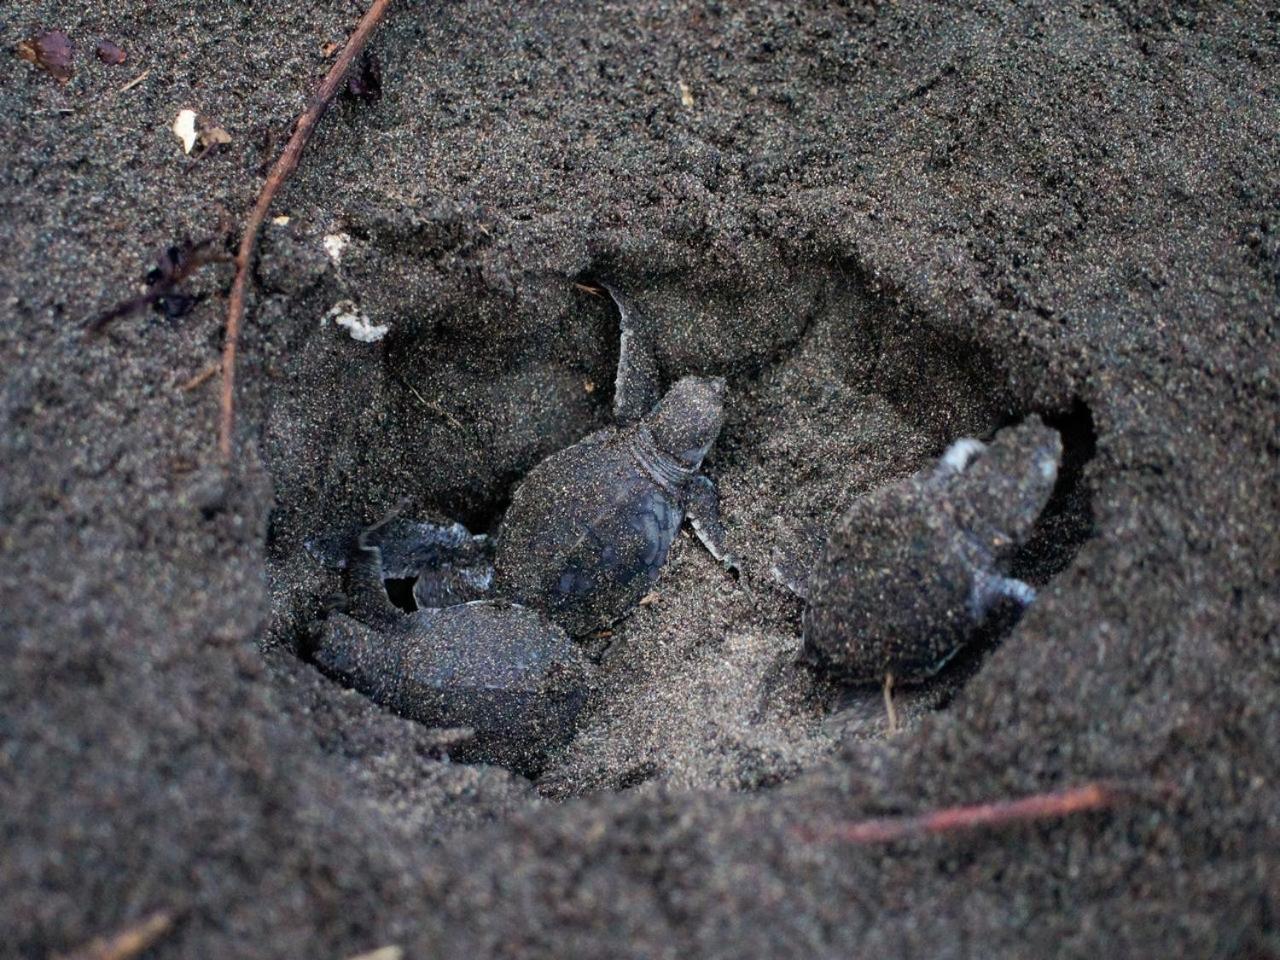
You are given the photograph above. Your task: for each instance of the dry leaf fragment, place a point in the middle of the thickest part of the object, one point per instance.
(51, 51)
(365, 81)
(191, 128)
(213, 136)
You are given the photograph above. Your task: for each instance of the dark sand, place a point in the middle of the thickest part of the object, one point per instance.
(887, 225)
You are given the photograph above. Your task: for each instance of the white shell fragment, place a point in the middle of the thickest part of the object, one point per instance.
(347, 313)
(184, 128)
(334, 244)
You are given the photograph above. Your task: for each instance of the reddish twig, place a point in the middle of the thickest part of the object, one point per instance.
(1040, 806)
(280, 171)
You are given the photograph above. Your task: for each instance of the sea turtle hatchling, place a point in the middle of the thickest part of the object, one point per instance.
(912, 569)
(501, 670)
(590, 528)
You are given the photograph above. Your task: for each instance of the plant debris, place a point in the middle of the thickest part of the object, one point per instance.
(127, 943)
(347, 314)
(191, 128)
(135, 81)
(280, 171)
(686, 94)
(110, 53)
(382, 953)
(184, 128)
(51, 51)
(173, 265)
(204, 376)
(1039, 806)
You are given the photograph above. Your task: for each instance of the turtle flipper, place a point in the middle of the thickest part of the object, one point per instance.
(411, 546)
(636, 389)
(991, 589)
(956, 459)
(790, 572)
(702, 507)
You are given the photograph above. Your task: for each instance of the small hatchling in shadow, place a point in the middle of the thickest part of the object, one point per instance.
(913, 569)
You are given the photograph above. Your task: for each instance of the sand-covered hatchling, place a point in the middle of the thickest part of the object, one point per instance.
(444, 561)
(516, 680)
(911, 570)
(590, 528)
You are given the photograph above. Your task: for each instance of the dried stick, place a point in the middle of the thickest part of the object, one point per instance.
(127, 943)
(1039, 806)
(280, 171)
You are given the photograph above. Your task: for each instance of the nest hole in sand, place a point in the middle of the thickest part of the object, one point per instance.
(698, 687)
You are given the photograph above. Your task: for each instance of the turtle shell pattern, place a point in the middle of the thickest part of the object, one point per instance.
(589, 530)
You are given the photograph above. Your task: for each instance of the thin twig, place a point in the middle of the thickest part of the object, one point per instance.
(135, 81)
(202, 377)
(430, 405)
(280, 171)
(128, 942)
(1039, 806)
(889, 710)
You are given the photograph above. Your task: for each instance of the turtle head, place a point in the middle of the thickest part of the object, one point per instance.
(686, 422)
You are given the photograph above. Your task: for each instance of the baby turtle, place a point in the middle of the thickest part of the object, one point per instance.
(500, 669)
(590, 528)
(912, 569)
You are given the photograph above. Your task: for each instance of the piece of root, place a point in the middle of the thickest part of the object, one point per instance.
(1040, 806)
(127, 943)
(202, 377)
(285, 164)
(889, 709)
